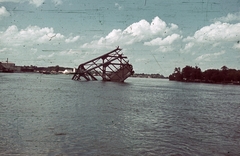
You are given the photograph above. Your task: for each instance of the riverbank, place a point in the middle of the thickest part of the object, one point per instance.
(224, 75)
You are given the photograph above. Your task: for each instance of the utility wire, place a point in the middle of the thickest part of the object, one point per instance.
(157, 62)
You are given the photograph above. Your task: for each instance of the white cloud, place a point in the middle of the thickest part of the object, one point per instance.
(141, 31)
(145, 30)
(229, 18)
(203, 57)
(3, 50)
(57, 2)
(30, 35)
(118, 6)
(163, 42)
(46, 56)
(3, 12)
(214, 35)
(208, 57)
(72, 39)
(189, 45)
(217, 32)
(37, 3)
(70, 52)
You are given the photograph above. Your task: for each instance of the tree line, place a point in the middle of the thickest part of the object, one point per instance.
(195, 74)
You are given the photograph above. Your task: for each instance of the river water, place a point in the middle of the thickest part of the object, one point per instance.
(54, 115)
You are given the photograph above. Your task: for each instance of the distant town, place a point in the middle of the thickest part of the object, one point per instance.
(9, 67)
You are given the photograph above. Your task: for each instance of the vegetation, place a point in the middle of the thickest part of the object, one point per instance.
(194, 74)
(142, 75)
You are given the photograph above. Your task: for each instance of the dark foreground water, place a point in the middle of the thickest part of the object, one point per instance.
(53, 115)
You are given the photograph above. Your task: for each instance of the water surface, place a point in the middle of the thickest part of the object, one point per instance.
(53, 115)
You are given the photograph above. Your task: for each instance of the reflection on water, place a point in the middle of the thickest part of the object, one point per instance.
(53, 115)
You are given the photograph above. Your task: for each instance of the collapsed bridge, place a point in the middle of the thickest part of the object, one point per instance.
(112, 66)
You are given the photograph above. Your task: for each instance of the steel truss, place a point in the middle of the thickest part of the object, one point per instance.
(112, 66)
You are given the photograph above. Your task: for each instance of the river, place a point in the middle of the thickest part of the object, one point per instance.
(53, 115)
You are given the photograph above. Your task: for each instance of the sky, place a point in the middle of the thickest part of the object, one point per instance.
(155, 35)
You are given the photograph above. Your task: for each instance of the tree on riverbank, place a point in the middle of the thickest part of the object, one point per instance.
(194, 74)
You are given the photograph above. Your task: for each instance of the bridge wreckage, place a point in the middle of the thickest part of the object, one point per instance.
(111, 66)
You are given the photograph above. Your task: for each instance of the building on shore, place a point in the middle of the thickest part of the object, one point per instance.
(7, 67)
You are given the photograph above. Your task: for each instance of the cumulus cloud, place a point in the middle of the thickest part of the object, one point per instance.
(229, 18)
(217, 32)
(72, 39)
(3, 12)
(30, 35)
(163, 42)
(145, 30)
(141, 31)
(213, 35)
(37, 3)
